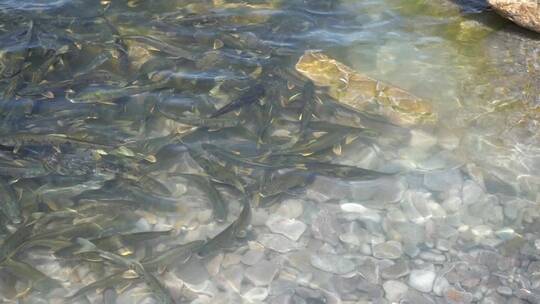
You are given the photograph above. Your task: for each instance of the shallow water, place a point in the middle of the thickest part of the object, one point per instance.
(109, 140)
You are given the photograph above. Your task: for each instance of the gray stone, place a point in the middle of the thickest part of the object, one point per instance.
(277, 242)
(332, 263)
(252, 256)
(431, 256)
(394, 291)
(504, 290)
(290, 228)
(291, 208)
(422, 279)
(388, 250)
(396, 271)
(471, 192)
(443, 180)
(262, 274)
(256, 295)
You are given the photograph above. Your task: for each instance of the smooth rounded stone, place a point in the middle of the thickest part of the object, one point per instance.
(332, 263)
(388, 250)
(396, 271)
(471, 192)
(193, 272)
(454, 296)
(422, 279)
(234, 276)
(291, 208)
(252, 256)
(290, 228)
(259, 217)
(324, 188)
(213, 265)
(256, 295)
(504, 290)
(452, 204)
(231, 259)
(481, 231)
(431, 256)
(440, 285)
(277, 242)
(325, 227)
(443, 180)
(415, 206)
(369, 270)
(443, 244)
(394, 290)
(362, 212)
(262, 274)
(421, 139)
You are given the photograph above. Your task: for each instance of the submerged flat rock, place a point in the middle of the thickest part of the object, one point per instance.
(362, 93)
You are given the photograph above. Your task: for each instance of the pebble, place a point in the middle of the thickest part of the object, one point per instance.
(262, 274)
(396, 271)
(440, 285)
(432, 257)
(388, 250)
(443, 180)
(394, 290)
(363, 213)
(504, 290)
(290, 228)
(422, 279)
(291, 208)
(234, 276)
(454, 296)
(421, 139)
(252, 256)
(332, 263)
(277, 242)
(256, 295)
(471, 192)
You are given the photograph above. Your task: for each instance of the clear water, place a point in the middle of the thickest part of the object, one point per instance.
(457, 221)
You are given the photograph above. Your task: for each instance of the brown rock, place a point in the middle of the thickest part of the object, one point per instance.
(525, 13)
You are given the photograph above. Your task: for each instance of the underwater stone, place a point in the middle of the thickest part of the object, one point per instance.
(394, 290)
(277, 242)
(422, 279)
(387, 250)
(332, 263)
(262, 273)
(290, 228)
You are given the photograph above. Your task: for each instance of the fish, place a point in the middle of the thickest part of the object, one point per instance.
(38, 280)
(308, 96)
(9, 204)
(327, 141)
(218, 203)
(108, 281)
(231, 156)
(342, 171)
(216, 171)
(159, 291)
(210, 123)
(108, 95)
(250, 96)
(226, 238)
(177, 255)
(161, 46)
(284, 182)
(19, 139)
(14, 241)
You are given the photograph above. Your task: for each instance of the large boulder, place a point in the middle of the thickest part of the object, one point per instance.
(525, 13)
